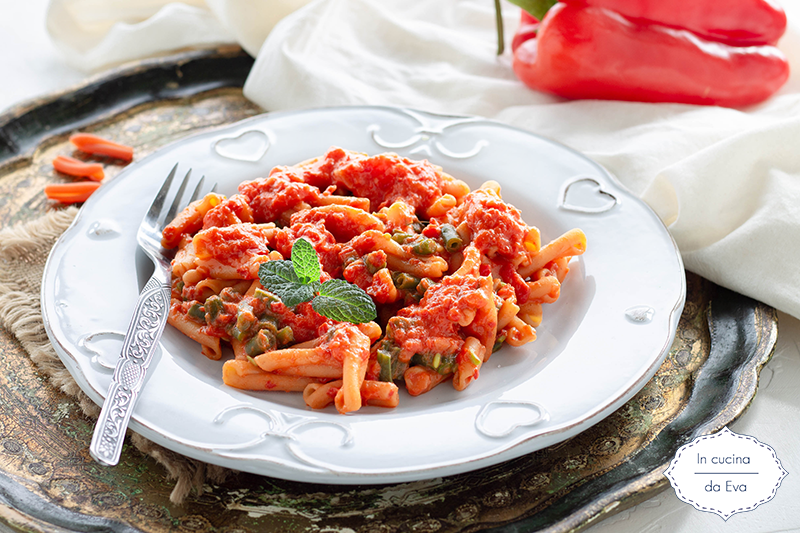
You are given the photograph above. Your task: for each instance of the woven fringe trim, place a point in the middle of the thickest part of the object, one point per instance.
(21, 314)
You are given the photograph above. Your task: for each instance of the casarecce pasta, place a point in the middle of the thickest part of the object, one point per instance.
(454, 273)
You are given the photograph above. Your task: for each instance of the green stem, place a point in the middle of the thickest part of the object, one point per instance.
(501, 41)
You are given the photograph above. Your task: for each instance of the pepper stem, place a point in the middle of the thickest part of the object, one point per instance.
(501, 41)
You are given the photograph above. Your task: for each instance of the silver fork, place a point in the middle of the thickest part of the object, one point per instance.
(145, 329)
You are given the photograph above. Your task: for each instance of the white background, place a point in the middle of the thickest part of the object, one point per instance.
(30, 66)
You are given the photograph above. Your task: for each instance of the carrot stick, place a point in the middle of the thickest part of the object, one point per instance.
(70, 193)
(79, 169)
(92, 144)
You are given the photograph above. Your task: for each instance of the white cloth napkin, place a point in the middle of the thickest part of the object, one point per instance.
(725, 181)
(95, 34)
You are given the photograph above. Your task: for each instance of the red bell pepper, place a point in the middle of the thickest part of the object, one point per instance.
(528, 29)
(734, 22)
(583, 50)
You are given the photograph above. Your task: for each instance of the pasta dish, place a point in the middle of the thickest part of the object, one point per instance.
(452, 275)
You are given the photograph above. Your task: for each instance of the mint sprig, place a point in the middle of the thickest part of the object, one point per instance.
(297, 281)
(279, 278)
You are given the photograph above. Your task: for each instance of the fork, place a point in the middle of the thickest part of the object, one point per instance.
(145, 329)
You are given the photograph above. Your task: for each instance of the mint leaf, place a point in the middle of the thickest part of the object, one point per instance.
(294, 296)
(344, 302)
(305, 261)
(297, 281)
(274, 273)
(279, 278)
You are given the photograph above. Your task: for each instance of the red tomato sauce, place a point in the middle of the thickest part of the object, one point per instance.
(270, 197)
(338, 222)
(232, 245)
(233, 210)
(306, 323)
(386, 178)
(433, 326)
(497, 228)
(342, 338)
(318, 172)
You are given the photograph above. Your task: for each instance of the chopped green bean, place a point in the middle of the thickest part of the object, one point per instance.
(285, 336)
(268, 297)
(400, 237)
(197, 312)
(424, 285)
(245, 319)
(253, 347)
(450, 237)
(229, 295)
(213, 307)
(498, 343)
(385, 362)
(265, 322)
(424, 247)
(388, 359)
(263, 341)
(443, 364)
(404, 281)
(237, 333)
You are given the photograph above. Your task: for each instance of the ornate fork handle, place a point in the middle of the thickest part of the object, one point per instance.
(141, 339)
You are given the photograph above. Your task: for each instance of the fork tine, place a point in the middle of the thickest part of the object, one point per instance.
(158, 201)
(214, 188)
(198, 187)
(173, 209)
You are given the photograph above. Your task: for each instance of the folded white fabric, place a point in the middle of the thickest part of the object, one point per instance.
(94, 34)
(725, 181)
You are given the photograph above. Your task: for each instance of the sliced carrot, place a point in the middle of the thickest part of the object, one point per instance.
(79, 169)
(92, 144)
(70, 193)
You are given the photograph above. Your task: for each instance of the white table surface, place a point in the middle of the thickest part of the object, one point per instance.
(31, 66)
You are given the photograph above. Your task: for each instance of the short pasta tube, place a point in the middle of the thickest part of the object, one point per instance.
(247, 376)
(180, 321)
(468, 363)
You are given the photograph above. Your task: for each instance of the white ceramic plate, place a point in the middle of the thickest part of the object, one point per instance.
(597, 346)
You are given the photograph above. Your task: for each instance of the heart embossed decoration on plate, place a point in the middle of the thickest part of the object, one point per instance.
(585, 195)
(248, 146)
